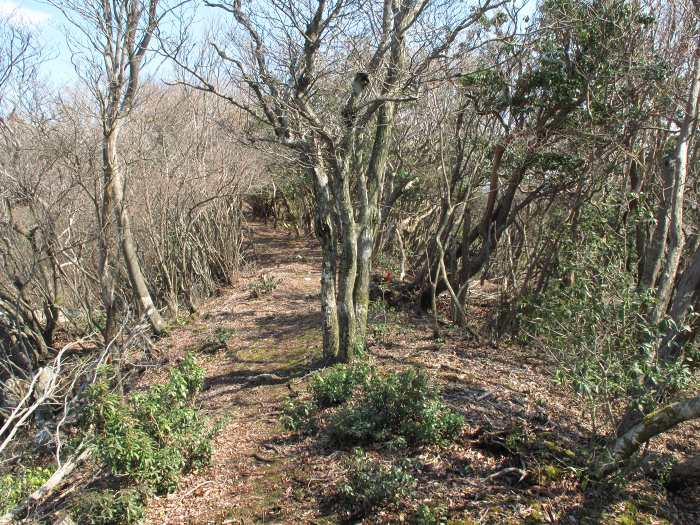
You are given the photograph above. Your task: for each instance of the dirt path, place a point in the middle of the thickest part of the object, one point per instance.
(270, 339)
(259, 474)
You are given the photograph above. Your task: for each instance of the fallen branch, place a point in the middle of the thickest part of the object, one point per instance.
(47, 488)
(263, 379)
(510, 470)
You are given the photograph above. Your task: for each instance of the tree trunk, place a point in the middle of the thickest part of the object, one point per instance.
(651, 425)
(348, 269)
(369, 214)
(114, 189)
(325, 226)
(654, 254)
(687, 293)
(679, 165)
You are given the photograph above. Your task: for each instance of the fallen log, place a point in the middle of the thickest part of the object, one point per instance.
(47, 488)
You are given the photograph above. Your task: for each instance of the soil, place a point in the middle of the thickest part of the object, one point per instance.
(259, 341)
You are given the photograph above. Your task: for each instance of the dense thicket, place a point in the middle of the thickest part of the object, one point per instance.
(545, 147)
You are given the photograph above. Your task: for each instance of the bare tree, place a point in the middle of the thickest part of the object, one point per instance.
(328, 78)
(117, 35)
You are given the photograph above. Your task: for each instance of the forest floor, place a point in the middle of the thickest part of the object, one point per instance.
(516, 417)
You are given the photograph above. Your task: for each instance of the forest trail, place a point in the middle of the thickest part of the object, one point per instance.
(269, 340)
(258, 349)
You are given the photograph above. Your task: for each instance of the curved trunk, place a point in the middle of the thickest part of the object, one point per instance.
(114, 190)
(651, 425)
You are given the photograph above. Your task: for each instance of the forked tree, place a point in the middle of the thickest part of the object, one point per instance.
(329, 78)
(111, 48)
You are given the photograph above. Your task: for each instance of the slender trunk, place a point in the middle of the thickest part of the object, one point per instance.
(679, 166)
(348, 268)
(106, 262)
(687, 293)
(654, 254)
(327, 236)
(369, 214)
(114, 187)
(637, 259)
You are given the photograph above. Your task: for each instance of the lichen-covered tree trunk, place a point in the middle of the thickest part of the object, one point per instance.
(347, 320)
(326, 232)
(369, 214)
(651, 425)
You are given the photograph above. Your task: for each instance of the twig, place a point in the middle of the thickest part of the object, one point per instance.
(192, 490)
(509, 470)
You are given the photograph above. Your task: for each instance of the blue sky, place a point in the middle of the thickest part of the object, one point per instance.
(47, 23)
(50, 27)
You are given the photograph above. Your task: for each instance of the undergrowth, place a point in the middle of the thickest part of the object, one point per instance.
(264, 285)
(14, 488)
(369, 484)
(353, 405)
(400, 405)
(374, 407)
(337, 384)
(145, 442)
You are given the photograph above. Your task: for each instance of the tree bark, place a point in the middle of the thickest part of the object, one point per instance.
(325, 226)
(679, 165)
(114, 188)
(687, 293)
(651, 425)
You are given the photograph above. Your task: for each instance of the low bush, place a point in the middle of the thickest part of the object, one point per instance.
(336, 385)
(15, 488)
(299, 416)
(264, 285)
(426, 515)
(153, 436)
(110, 507)
(395, 405)
(369, 484)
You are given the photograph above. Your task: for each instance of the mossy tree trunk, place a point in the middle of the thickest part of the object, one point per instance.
(650, 426)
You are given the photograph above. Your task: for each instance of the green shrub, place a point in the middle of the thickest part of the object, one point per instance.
(217, 340)
(426, 515)
(369, 484)
(299, 416)
(596, 327)
(155, 435)
(396, 405)
(265, 285)
(110, 507)
(336, 385)
(15, 488)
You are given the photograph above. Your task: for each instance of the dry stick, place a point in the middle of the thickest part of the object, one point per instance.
(455, 299)
(509, 470)
(47, 488)
(433, 288)
(23, 415)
